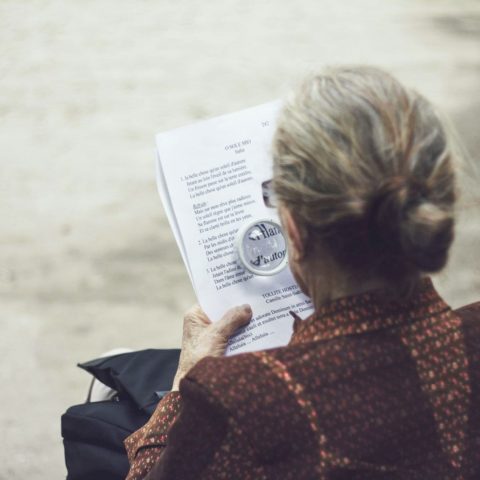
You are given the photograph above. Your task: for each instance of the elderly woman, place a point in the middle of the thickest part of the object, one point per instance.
(383, 380)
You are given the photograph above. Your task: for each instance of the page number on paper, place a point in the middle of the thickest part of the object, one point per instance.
(266, 123)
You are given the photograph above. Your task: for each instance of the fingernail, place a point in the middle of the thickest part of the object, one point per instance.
(247, 307)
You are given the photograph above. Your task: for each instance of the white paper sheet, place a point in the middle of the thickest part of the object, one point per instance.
(209, 177)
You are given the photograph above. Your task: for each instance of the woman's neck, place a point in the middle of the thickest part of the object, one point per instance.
(330, 284)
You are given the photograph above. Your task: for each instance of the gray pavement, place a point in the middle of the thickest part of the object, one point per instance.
(87, 260)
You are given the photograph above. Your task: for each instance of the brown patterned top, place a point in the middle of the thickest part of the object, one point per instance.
(366, 389)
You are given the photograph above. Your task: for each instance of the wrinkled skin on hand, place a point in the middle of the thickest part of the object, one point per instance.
(202, 337)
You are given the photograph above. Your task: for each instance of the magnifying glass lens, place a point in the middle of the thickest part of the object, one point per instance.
(262, 247)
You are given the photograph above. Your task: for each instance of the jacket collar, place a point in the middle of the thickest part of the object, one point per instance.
(367, 312)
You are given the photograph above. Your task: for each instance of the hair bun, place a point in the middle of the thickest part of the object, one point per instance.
(427, 234)
(403, 222)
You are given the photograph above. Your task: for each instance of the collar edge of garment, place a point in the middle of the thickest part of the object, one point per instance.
(369, 311)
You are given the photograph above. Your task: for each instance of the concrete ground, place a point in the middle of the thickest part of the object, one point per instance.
(87, 260)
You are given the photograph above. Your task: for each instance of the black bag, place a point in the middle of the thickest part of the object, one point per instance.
(93, 433)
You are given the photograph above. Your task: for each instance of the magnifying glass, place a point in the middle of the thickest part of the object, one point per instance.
(262, 247)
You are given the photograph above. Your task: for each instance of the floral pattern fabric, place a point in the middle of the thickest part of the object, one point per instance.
(367, 388)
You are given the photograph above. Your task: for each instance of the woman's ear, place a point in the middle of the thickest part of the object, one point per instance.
(295, 233)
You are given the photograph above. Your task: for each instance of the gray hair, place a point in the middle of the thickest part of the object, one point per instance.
(366, 166)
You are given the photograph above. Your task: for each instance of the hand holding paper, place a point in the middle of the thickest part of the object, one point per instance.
(202, 338)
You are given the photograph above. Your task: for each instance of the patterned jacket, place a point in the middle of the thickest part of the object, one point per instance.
(366, 389)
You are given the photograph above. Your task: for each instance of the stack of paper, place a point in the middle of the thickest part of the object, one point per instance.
(209, 177)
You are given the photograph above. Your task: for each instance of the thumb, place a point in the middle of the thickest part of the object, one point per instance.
(233, 319)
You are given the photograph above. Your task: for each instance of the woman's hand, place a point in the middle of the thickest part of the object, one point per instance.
(202, 338)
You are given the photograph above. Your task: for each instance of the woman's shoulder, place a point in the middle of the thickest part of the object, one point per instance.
(246, 383)
(470, 316)
(256, 392)
(470, 313)
(231, 378)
